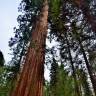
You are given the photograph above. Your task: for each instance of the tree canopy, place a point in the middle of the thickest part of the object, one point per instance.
(71, 26)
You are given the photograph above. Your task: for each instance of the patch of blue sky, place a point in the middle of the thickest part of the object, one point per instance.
(8, 20)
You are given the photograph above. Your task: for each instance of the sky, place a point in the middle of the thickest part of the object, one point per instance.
(8, 20)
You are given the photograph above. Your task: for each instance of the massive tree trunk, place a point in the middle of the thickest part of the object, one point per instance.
(91, 19)
(31, 79)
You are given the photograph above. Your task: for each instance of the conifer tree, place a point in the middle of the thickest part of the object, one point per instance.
(31, 78)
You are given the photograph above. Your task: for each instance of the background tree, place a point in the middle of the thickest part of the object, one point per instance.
(1, 59)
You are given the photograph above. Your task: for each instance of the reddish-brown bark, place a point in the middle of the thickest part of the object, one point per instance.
(91, 19)
(31, 78)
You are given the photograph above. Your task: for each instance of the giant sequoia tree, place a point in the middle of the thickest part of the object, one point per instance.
(32, 74)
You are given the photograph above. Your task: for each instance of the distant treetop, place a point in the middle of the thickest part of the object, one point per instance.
(1, 59)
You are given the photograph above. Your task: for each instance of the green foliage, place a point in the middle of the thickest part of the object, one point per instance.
(55, 6)
(64, 83)
(53, 76)
(5, 81)
(47, 88)
(85, 83)
(61, 85)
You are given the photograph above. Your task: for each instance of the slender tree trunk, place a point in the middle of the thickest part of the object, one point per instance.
(73, 69)
(31, 78)
(91, 19)
(93, 80)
